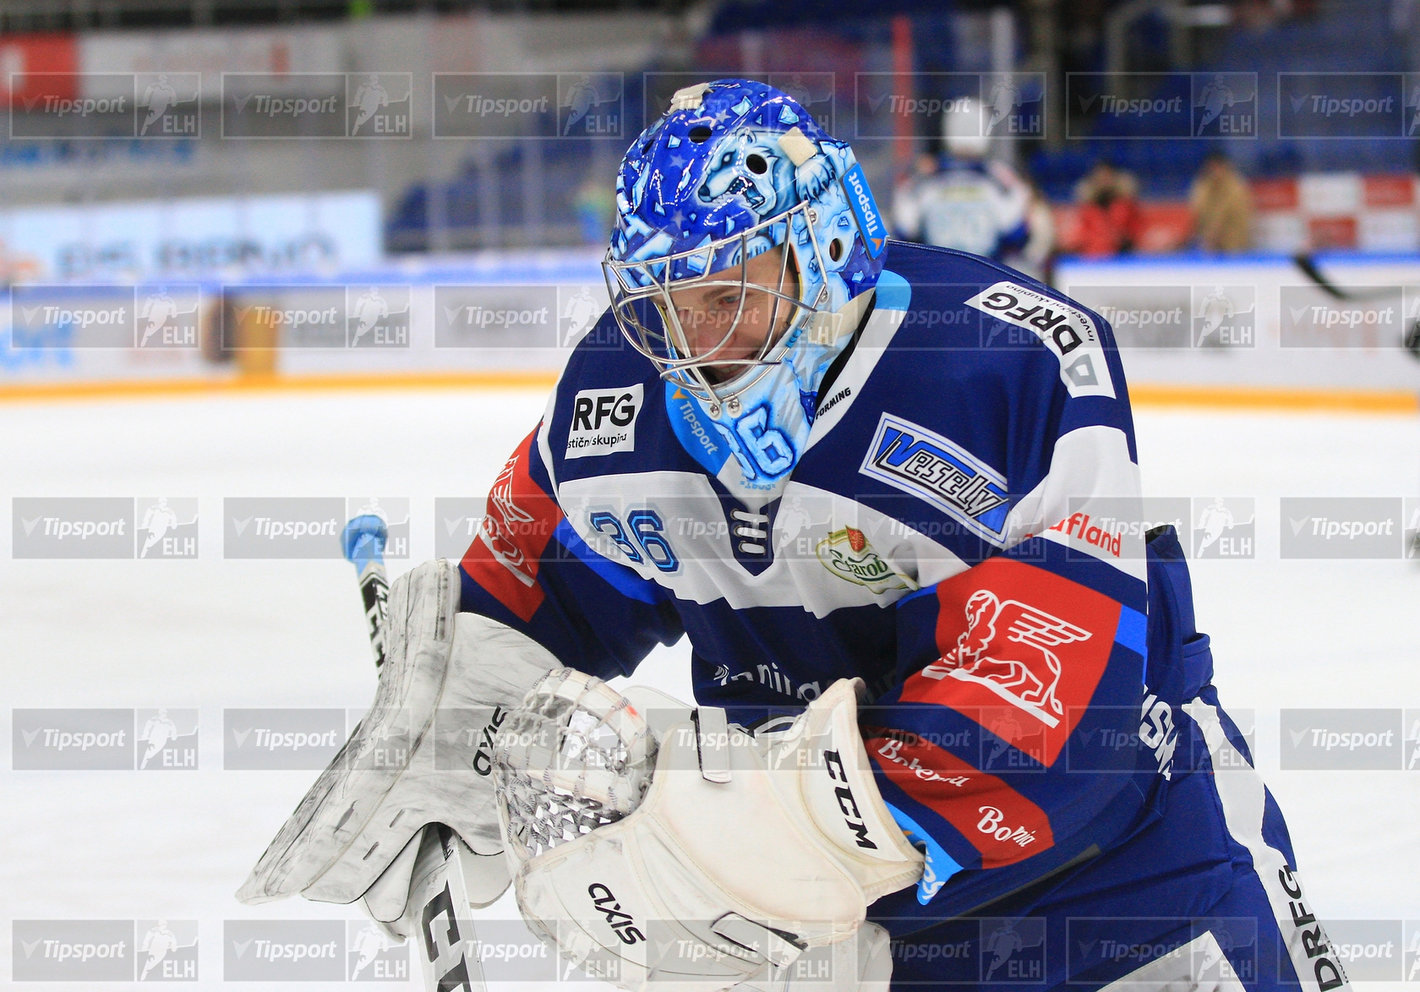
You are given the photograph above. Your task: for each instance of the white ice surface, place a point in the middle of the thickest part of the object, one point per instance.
(211, 634)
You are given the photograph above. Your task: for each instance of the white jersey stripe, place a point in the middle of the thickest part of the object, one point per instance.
(1243, 798)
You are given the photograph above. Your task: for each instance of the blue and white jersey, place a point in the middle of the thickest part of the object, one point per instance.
(978, 207)
(962, 531)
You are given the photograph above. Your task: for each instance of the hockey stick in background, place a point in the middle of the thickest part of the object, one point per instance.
(1358, 294)
(449, 958)
(1411, 340)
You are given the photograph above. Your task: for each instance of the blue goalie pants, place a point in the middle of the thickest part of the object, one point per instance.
(1206, 897)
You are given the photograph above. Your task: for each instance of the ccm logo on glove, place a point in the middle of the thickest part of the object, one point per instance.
(619, 920)
(847, 805)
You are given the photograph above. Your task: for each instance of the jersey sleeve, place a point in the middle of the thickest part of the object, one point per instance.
(1003, 749)
(528, 569)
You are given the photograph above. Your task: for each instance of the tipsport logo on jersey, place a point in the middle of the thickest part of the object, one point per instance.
(1151, 105)
(302, 105)
(153, 950)
(162, 739)
(103, 527)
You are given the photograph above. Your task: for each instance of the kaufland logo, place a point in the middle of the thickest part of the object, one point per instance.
(870, 220)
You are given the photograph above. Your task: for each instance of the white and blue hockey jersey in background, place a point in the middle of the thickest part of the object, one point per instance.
(972, 205)
(962, 531)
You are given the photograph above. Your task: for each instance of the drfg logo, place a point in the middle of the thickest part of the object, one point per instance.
(1064, 329)
(604, 421)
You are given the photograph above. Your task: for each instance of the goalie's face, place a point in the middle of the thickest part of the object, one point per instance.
(731, 319)
(715, 318)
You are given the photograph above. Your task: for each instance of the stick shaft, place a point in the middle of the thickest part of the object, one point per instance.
(448, 945)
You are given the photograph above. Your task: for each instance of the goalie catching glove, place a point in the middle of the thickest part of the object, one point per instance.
(422, 754)
(746, 851)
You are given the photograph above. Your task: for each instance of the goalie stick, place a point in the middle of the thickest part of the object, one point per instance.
(449, 951)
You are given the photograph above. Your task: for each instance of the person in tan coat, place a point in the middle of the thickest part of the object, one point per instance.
(1221, 204)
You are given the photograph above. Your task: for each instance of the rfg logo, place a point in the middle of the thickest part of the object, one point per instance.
(593, 408)
(617, 918)
(604, 421)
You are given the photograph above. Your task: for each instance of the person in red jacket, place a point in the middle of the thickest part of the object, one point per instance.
(1109, 221)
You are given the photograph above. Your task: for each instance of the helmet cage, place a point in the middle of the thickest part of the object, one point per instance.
(657, 332)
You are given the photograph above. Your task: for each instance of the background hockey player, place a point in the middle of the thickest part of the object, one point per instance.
(998, 731)
(964, 199)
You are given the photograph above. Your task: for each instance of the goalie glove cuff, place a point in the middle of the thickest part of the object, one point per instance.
(839, 794)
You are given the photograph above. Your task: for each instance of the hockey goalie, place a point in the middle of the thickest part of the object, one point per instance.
(953, 723)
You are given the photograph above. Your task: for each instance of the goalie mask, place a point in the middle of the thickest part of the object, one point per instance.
(745, 247)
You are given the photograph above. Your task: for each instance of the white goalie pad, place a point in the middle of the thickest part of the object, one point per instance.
(421, 754)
